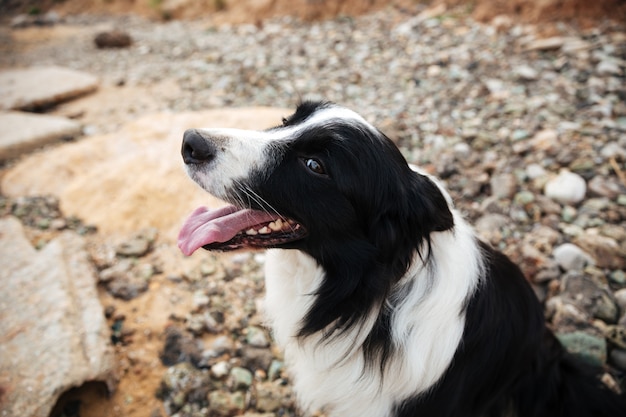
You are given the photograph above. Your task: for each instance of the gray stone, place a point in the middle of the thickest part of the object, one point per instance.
(256, 337)
(606, 251)
(571, 258)
(271, 396)
(21, 133)
(30, 88)
(546, 44)
(225, 403)
(589, 295)
(53, 334)
(618, 358)
(503, 185)
(241, 378)
(590, 348)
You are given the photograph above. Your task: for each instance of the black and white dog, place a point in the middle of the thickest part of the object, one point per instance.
(383, 299)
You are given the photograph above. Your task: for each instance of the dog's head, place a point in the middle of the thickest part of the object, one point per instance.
(325, 182)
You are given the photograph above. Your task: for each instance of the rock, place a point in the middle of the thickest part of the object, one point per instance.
(618, 358)
(240, 378)
(148, 151)
(604, 187)
(256, 337)
(220, 369)
(503, 185)
(36, 87)
(590, 296)
(591, 349)
(571, 258)
(606, 252)
(53, 334)
(179, 347)
(620, 298)
(271, 396)
(256, 358)
(22, 132)
(566, 188)
(182, 383)
(546, 140)
(616, 335)
(113, 39)
(138, 245)
(525, 73)
(546, 44)
(225, 403)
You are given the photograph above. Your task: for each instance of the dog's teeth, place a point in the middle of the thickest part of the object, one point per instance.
(276, 225)
(264, 230)
(251, 232)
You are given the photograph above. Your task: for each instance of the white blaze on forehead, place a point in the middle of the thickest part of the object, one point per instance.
(240, 152)
(320, 117)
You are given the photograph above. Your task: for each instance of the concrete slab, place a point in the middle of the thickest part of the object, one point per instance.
(31, 88)
(24, 132)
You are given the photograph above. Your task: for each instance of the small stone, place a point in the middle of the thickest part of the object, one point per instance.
(225, 403)
(589, 294)
(546, 44)
(618, 358)
(220, 369)
(546, 140)
(619, 277)
(136, 246)
(603, 187)
(620, 298)
(113, 39)
(275, 369)
(616, 335)
(571, 258)
(566, 188)
(256, 337)
(503, 185)
(607, 67)
(525, 73)
(271, 396)
(589, 348)
(241, 378)
(606, 252)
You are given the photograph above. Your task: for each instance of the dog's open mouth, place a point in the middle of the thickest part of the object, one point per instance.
(230, 228)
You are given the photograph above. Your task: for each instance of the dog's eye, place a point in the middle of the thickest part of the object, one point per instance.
(315, 166)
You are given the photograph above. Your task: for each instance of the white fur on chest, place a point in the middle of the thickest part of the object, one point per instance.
(427, 326)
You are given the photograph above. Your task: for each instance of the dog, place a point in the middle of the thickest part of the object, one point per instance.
(385, 302)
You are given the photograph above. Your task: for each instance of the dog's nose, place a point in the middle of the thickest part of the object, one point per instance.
(196, 149)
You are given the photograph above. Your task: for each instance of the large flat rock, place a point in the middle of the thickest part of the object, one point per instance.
(24, 132)
(53, 334)
(30, 88)
(133, 178)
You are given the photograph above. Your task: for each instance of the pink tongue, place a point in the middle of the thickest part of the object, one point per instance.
(206, 226)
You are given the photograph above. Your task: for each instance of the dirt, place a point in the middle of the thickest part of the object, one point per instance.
(584, 12)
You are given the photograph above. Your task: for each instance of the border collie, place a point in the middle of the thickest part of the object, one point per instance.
(381, 295)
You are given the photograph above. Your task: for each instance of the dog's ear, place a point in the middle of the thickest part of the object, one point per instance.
(406, 224)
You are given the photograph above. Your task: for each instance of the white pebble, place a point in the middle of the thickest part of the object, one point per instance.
(566, 188)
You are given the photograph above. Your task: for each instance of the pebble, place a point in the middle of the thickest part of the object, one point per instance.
(256, 337)
(571, 258)
(592, 349)
(567, 188)
(503, 186)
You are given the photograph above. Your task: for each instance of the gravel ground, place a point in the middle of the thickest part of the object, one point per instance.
(529, 134)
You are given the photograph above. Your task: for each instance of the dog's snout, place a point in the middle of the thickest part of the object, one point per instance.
(196, 148)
